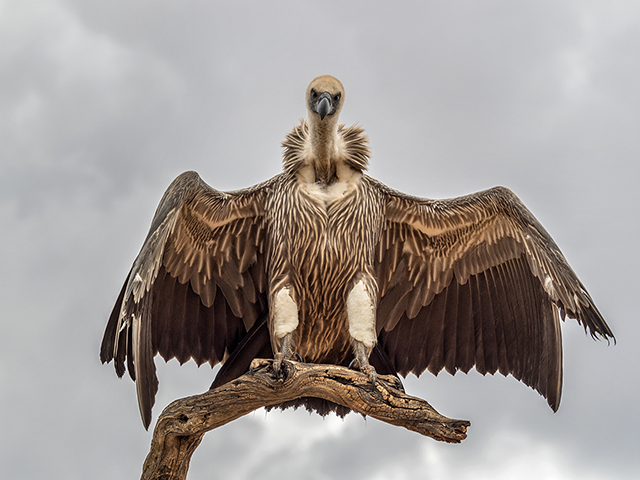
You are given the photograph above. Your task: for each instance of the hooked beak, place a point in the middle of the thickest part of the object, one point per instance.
(324, 105)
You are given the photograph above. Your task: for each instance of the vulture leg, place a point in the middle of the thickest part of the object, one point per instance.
(362, 357)
(285, 353)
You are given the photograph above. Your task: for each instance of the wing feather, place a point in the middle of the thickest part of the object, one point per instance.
(197, 285)
(476, 281)
(437, 342)
(456, 344)
(464, 359)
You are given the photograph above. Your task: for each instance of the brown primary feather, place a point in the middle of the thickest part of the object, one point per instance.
(463, 282)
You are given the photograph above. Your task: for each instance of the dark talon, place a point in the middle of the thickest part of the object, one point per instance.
(299, 357)
(397, 383)
(370, 372)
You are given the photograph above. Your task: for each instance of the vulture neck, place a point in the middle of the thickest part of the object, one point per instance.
(324, 158)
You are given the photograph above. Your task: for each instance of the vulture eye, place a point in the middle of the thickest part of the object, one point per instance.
(336, 97)
(314, 94)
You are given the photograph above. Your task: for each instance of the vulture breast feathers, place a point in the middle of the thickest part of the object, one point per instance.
(474, 281)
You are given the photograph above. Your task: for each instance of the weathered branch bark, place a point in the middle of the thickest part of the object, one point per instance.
(184, 422)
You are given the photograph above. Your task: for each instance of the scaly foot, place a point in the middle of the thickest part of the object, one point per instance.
(285, 353)
(278, 358)
(362, 359)
(370, 372)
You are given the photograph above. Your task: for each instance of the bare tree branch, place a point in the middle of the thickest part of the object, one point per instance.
(183, 423)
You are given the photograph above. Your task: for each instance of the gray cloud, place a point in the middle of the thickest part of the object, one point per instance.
(103, 103)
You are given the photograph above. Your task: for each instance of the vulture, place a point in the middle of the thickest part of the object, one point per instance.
(324, 263)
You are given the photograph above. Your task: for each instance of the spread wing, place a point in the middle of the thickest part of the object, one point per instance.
(197, 285)
(476, 281)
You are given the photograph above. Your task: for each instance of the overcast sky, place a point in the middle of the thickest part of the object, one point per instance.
(102, 104)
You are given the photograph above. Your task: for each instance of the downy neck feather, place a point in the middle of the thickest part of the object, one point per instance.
(325, 157)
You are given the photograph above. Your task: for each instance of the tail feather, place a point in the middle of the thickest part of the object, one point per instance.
(255, 344)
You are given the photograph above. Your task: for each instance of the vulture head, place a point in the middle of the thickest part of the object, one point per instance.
(325, 96)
